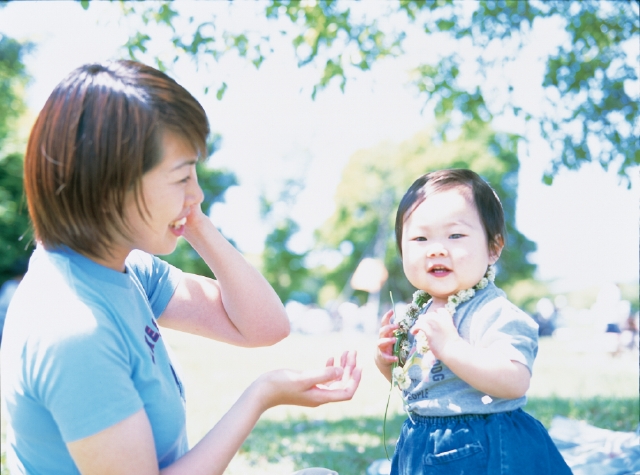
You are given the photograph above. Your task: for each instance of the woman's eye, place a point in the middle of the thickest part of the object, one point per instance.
(185, 179)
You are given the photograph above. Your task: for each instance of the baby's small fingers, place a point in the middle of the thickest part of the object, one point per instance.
(388, 358)
(387, 330)
(386, 318)
(386, 342)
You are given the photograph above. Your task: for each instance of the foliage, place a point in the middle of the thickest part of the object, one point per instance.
(588, 98)
(15, 232)
(16, 241)
(631, 292)
(283, 268)
(13, 79)
(375, 180)
(526, 293)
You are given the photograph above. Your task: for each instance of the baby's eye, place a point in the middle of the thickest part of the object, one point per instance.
(456, 236)
(420, 238)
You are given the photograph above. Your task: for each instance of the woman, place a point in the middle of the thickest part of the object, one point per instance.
(89, 385)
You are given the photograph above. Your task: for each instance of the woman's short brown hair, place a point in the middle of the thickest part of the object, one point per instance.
(98, 133)
(480, 194)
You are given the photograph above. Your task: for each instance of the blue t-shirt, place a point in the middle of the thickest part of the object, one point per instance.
(81, 352)
(486, 320)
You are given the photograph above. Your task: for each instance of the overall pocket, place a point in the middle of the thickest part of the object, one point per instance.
(467, 450)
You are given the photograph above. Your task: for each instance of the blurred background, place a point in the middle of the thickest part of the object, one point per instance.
(323, 113)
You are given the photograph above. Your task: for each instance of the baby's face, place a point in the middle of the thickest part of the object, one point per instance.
(444, 245)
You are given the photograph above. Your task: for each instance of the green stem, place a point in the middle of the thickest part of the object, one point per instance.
(386, 409)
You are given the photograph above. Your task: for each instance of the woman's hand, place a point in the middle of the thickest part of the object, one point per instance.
(311, 388)
(238, 307)
(196, 219)
(384, 357)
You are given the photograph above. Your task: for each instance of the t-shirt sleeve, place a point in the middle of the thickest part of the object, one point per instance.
(158, 278)
(85, 379)
(502, 325)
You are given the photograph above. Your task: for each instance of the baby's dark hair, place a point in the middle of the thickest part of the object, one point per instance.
(479, 192)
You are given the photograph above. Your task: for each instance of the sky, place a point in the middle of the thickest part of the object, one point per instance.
(585, 225)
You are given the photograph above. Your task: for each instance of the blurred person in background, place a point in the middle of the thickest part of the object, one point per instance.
(545, 317)
(88, 382)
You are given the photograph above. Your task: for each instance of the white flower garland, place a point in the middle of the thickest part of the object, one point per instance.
(420, 298)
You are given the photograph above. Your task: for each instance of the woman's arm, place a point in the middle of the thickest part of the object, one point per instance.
(239, 307)
(486, 369)
(128, 447)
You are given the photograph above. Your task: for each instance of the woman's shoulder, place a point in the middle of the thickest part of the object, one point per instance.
(56, 303)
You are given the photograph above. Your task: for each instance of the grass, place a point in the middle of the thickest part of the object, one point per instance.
(581, 383)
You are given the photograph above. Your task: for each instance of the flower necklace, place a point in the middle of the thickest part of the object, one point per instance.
(402, 346)
(420, 298)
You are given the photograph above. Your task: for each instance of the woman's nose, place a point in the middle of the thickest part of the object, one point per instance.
(195, 195)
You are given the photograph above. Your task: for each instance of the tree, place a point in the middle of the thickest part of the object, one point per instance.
(15, 231)
(375, 180)
(589, 90)
(286, 269)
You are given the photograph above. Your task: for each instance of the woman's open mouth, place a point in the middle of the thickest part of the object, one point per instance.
(177, 227)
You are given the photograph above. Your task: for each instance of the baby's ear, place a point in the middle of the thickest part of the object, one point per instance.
(495, 249)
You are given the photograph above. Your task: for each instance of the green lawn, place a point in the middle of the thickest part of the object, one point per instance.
(347, 436)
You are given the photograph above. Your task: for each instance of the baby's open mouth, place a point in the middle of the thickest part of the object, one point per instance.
(439, 270)
(179, 223)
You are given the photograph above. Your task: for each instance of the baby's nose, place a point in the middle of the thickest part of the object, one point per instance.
(437, 249)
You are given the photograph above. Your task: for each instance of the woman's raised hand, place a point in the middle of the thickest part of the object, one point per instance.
(311, 388)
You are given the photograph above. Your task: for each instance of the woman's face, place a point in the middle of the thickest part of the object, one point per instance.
(444, 245)
(170, 190)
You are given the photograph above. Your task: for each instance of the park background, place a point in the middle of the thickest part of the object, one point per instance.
(322, 114)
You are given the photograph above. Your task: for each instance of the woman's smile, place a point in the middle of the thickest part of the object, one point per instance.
(177, 227)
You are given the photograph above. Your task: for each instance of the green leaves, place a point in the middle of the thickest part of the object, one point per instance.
(590, 74)
(15, 231)
(221, 90)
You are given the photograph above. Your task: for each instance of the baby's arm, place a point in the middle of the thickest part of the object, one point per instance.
(486, 369)
(384, 358)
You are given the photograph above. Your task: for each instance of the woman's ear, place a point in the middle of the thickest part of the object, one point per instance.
(495, 249)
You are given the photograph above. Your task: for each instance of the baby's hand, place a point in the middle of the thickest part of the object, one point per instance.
(438, 329)
(384, 352)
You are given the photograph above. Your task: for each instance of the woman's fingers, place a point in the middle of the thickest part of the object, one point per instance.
(348, 362)
(323, 394)
(316, 386)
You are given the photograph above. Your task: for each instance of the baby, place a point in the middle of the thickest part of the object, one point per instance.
(463, 353)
